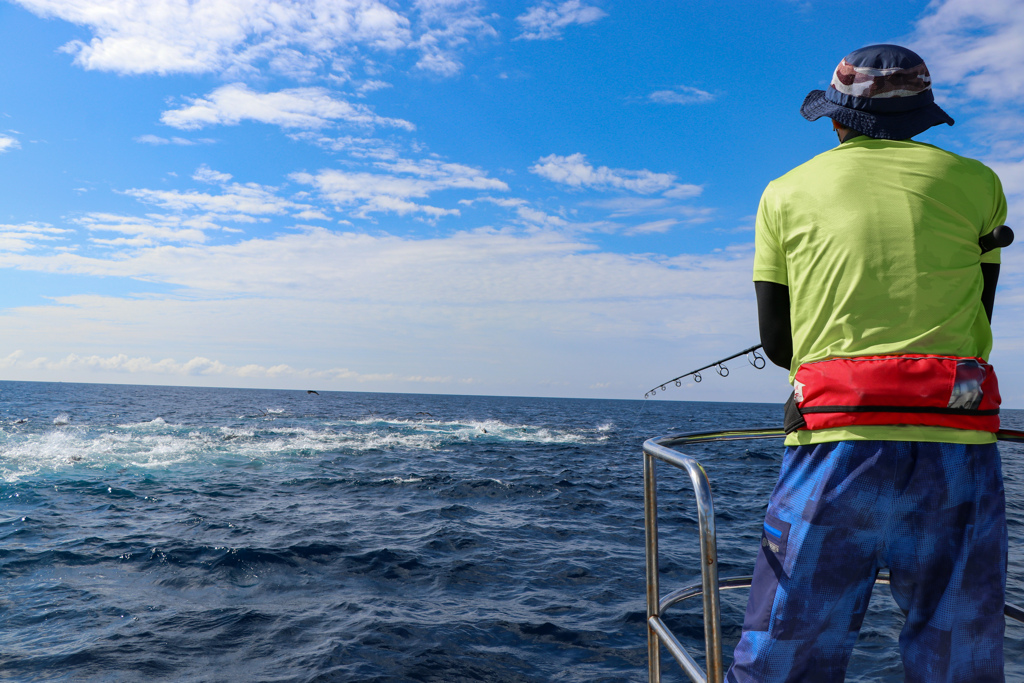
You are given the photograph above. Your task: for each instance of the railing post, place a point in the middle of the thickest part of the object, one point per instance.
(653, 590)
(709, 571)
(708, 556)
(659, 448)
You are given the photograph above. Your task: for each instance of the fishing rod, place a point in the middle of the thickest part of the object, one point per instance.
(753, 357)
(1001, 236)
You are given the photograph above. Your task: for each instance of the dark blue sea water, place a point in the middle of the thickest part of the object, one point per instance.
(181, 534)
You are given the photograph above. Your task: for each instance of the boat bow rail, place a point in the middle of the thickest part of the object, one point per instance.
(710, 585)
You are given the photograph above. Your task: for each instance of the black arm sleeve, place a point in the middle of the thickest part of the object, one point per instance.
(773, 322)
(990, 273)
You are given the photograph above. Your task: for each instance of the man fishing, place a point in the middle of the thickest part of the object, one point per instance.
(872, 289)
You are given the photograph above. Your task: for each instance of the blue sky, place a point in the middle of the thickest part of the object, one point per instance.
(453, 196)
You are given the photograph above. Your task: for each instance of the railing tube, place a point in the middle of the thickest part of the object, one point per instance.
(657, 633)
(708, 550)
(651, 532)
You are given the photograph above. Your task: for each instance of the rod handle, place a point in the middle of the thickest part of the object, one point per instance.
(1001, 236)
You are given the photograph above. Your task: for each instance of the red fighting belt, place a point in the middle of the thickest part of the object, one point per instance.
(941, 391)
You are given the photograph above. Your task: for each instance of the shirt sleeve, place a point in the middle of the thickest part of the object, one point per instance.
(769, 257)
(997, 218)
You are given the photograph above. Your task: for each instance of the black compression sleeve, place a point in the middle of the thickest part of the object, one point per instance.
(773, 322)
(990, 273)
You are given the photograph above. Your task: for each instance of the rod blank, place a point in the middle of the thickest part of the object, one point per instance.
(757, 361)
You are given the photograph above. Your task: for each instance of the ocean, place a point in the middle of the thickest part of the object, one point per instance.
(192, 534)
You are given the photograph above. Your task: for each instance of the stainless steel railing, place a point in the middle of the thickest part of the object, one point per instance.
(710, 585)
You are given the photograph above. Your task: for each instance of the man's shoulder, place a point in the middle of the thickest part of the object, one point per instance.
(885, 154)
(949, 157)
(799, 176)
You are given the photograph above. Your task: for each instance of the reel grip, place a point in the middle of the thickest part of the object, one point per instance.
(1001, 236)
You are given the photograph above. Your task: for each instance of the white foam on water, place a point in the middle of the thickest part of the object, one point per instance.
(155, 423)
(465, 431)
(156, 444)
(399, 480)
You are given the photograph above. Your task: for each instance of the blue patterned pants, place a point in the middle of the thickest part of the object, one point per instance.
(933, 513)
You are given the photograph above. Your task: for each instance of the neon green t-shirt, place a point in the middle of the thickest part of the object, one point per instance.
(877, 241)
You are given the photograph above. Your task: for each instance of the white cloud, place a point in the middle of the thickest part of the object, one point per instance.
(295, 38)
(157, 140)
(373, 85)
(974, 47)
(200, 36)
(8, 143)
(548, 20)
(27, 236)
(363, 148)
(199, 367)
(337, 299)
(394, 183)
(653, 227)
(237, 201)
(308, 108)
(142, 232)
(973, 50)
(353, 266)
(205, 174)
(681, 191)
(446, 26)
(681, 94)
(622, 207)
(575, 171)
(631, 206)
(512, 310)
(528, 215)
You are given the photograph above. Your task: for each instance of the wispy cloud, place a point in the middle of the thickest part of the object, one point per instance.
(240, 38)
(201, 366)
(308, 108)
(153, 36)
(973, 51)
(476, 267)
(548, 19)
(526, 214)
(681, 94)
(142, 232)
(372, 85)
(205, 174)
(975, 47)
(237, 201)
(8, 143)
(27, 236)
(362, 148)
(157, 140)
(391, 185)
(476, 296)
(625, 207)
(446, 26)
(575, 171)
(661, 226)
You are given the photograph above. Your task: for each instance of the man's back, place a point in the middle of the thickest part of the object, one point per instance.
(877, 241)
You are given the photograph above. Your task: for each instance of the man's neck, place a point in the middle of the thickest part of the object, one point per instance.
(846, 134)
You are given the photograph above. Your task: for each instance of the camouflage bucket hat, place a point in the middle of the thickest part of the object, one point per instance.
(882, 91)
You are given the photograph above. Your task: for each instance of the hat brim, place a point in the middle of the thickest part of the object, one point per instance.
(898, 126)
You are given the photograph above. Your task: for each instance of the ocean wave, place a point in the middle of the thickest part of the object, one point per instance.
(157, 443)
